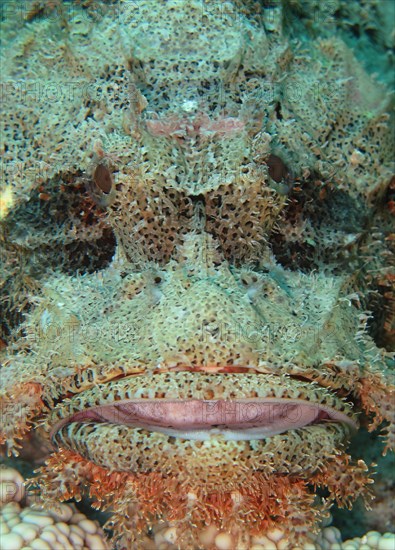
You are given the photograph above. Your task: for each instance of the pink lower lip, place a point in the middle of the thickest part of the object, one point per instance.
(198, 419)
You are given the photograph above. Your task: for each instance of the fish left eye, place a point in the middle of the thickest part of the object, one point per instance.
(103, 178)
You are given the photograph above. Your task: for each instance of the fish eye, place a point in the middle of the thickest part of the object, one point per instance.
(103, 178)
(278, 170)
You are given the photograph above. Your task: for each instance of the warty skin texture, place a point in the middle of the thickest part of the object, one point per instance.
(195, 306)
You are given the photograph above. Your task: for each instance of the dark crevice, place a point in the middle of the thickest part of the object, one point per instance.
(277, 110)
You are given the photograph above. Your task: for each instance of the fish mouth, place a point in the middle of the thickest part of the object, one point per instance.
(200, 406)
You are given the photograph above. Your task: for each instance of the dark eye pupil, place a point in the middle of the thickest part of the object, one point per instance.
(102, 178)
(277, 168)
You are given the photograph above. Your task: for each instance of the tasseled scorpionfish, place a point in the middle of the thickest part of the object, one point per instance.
(200, 379)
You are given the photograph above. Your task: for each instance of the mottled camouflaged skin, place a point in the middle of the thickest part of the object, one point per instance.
(195, 301)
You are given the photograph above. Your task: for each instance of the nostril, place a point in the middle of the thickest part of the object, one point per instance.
(250, 280)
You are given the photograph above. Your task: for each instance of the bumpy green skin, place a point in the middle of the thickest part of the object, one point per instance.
(175, 155)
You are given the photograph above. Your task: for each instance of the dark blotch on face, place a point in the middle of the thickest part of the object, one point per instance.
(102, 178)
(278, 170)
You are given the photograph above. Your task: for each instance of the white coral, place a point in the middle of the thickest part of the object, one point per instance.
(27, 527)
(329, 538)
